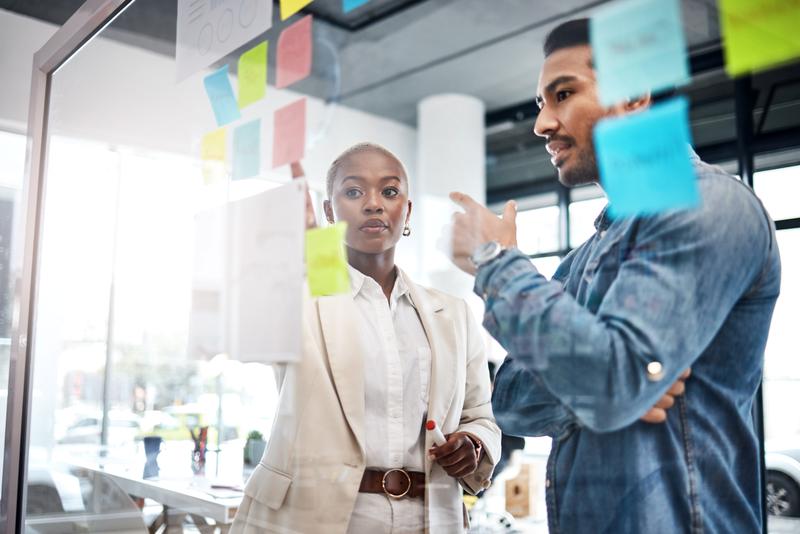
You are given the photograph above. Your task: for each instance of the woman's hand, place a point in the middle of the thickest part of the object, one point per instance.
(458, 456)
(297, 173)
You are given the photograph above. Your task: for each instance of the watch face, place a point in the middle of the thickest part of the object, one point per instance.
(486, 252)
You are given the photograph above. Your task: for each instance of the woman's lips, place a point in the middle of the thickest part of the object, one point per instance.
(373, 227)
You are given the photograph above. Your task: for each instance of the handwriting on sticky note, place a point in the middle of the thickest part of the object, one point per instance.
(252, 74)
(289, 139)
(648, 56)
(290, 7)
(220, 94)
(294, 53)
(247, 150)
(644, 160)
(326, 260)
(350, 5)
(759, 33)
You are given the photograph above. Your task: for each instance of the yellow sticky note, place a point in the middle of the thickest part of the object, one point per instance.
(759, 33)
(212, 153)
(326, 260)
(252, 74)
(290, 7)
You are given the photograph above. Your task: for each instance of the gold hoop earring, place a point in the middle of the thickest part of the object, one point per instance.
(406, 231)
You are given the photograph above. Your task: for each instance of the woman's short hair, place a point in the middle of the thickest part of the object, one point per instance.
(358, 149)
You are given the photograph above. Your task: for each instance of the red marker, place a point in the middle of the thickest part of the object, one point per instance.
(438, 437)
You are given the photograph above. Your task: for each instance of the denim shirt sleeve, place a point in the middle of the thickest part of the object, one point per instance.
(523, 406)
(668, 299)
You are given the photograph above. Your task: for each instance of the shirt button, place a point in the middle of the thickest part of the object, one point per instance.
(601, 234)
(655, 371)
(547, 483)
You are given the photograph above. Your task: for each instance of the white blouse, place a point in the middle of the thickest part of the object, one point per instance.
(396, 375)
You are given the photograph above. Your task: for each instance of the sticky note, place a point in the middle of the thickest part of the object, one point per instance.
(247, 150)
(349, 5)
(638, 46)
(212, 154)
(289, 139)
(252, 74)
(290, 7)
(220, 94)
(644, 160)
(294, 53)
(326, 260)
(759, 33)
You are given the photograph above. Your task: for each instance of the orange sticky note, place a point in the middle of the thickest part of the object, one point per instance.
(289, 139)
(290, 7)
(294, 53)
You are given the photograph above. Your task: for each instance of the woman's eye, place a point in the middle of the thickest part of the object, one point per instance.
(390, 192)
(562, 95)
(352, 193)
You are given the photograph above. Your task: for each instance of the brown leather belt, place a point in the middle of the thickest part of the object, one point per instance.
(396, 483)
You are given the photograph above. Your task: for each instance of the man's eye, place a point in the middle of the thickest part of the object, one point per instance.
(562, 95)
(352, 193)
(390, 192)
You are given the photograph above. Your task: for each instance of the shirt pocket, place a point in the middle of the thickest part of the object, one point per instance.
(424, 359)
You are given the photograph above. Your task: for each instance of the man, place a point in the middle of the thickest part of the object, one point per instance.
(643, 299)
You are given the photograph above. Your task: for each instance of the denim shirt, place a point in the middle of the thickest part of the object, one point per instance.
(592, 351)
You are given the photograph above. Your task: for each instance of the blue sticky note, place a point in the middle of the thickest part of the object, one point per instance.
(220, 94)
(247, 150)
(638, 46)
(350, 5)
(645, 162)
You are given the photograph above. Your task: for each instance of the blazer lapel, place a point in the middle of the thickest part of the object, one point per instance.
(345, 357)
(438, 325)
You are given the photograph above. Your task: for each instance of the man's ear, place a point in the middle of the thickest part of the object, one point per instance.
(326, 206)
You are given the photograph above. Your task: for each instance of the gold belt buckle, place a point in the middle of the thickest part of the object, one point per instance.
(393, 495)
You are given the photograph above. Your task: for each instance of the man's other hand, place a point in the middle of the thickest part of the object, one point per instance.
(658, 413)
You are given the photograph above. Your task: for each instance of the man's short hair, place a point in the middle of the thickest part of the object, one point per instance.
(571, 33)
(356, 149)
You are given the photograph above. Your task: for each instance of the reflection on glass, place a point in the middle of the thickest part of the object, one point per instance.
(779, 190)
(12, 156)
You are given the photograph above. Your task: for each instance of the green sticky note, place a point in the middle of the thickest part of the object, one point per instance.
(326, 260)
(759, 33)
(253, 75)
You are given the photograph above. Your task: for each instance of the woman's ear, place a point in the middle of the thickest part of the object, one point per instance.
(326, 206)
(408, 213)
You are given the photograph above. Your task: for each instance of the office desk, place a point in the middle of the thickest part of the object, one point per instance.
(181, 498)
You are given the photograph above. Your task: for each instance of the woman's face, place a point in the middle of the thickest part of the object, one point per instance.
(370, 193)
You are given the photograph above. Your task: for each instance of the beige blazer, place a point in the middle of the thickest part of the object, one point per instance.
(308, 478)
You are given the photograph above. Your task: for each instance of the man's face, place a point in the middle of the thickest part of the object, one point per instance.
(569, 108)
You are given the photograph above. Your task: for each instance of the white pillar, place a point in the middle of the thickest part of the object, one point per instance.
(451, 157)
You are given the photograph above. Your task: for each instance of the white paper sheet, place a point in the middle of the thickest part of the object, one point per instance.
(248, 283)
(210, 29)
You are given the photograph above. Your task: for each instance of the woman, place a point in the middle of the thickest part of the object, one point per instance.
(348, 452)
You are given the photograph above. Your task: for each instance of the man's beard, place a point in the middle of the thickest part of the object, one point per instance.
(583, 171)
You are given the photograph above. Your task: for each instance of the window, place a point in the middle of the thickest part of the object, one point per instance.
(537, 230)
(779, 190)
(581, 219)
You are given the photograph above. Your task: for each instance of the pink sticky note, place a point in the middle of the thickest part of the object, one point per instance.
(289, 139)
(294, 53)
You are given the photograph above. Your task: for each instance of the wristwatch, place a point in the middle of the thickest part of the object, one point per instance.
(486, 253)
